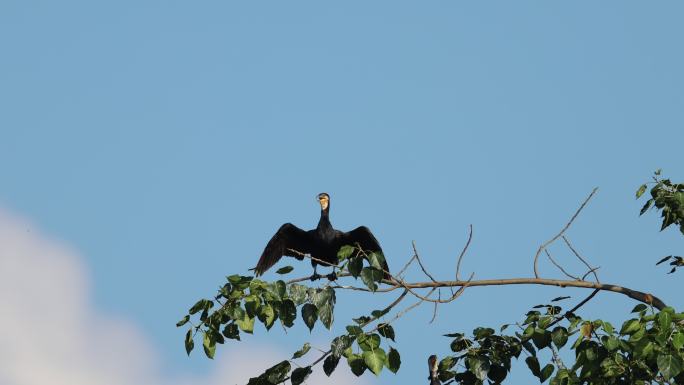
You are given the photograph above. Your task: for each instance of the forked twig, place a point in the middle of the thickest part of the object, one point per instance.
(560, 234)
(559, 266)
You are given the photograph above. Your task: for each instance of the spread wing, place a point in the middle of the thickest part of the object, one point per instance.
(288, 237)
(363, 236)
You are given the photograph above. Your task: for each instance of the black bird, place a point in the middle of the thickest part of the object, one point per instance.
(321, 243)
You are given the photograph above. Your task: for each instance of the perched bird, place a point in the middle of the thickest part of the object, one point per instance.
(321, 243)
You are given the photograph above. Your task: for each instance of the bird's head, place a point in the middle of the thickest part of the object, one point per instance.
(324, 200)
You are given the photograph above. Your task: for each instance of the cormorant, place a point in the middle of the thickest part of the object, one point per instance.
(321, 243)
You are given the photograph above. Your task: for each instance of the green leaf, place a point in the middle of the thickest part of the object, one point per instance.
(670, 365)
(355, 265)
(447, 363)
(533, 364)
(377, 260)
(678, 340)
(559, 336)
(611, 343)
(322, 297)
(277, 373)
(199, 305)
(252, 303)
(664, 320)
(497, 374)
(189, 343)
(368, 341)
(300, 374)
(339, 345)
(386, 331)
(301, 352)
(330, 364)
(298, 293)
(325, 313)
(209, 345)
(646, 206)
(546, 372)
(246, 324)
(480, 332)
(460, 344)
(369, 276)
(183, 321)
(528, 332)
(309, 315)
(281, 288)
(630, 327)
(393, 360)
(356, 364)
(287, 313)
(267, 316)
(375, 360)
(354, 330)
(641, 191)
(345, 252)
(284, 270)
(479, 366)
(541, 338)
(608, 327)
(231, 331)
(640, 307)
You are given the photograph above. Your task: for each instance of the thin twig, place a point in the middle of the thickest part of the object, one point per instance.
(415, 252)
(434, 311)
(590, 272)
(591, 269)
(413, 257)
(559, 266)
(550, 241)
(465, 248)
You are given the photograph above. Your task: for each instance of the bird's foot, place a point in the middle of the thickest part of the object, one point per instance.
(332, 276)
(315, 277)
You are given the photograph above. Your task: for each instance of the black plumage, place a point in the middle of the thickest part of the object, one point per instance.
(321, 243)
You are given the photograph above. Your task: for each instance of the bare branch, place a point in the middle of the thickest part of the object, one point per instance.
(591, 269)
(422, 267)
(560, 234)
(465, 248)
(559, 266)
(646, 298)
(590, 272)
(413, 257)
(434, 311)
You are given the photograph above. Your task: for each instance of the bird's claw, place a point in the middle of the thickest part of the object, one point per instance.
(316, 277)
(332, 276)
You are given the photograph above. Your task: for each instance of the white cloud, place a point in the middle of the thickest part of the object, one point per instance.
(51, 333)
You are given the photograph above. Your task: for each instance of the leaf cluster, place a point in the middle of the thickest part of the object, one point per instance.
(243, 300)
(647, 348)
(667, 197)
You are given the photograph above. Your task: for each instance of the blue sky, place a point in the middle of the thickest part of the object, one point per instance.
(166, 141)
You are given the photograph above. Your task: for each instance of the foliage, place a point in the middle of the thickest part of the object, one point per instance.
(646, 349)
(243, 300)
(667, 197)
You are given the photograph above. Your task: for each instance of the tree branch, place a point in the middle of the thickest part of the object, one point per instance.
(634, 294)
(560, 234)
